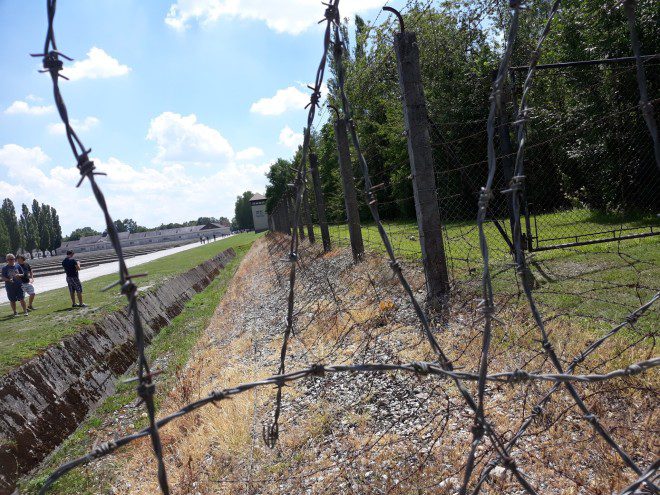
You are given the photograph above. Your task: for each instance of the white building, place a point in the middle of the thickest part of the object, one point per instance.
(259, 216)
(182, 234)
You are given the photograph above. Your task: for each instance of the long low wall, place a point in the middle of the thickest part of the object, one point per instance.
(44, 400)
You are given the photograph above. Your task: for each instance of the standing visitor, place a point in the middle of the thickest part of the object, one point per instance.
(12, 275)
(27, 279)
(71, 268)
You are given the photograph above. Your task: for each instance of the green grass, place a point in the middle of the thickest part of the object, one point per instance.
(601, 281)
(23, 338)
(175, 342)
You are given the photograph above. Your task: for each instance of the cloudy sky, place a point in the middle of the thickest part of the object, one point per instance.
(184, 104)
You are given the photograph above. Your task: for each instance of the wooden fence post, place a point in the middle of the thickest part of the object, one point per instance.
(421, 163)
(308, 217)
(348, 186)
(320, 203)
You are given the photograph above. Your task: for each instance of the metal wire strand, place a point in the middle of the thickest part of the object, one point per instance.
(145, 388)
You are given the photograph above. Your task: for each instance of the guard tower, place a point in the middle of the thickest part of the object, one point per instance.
(258, 203)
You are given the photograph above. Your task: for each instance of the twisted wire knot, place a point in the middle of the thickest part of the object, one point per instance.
(515, 184)
(578, 359)
(634, 369)
(52, 62)
(218, 395)
(146, 390)
(478, 430)
(421, 368)
(270, 435)
(632, 318)
(85, 165)
(103, 449)
(395, 266)
(317, 370)
(128, 288)
(509, 463)
(331, 13)
(536, 410)
(547, 345)
(518, 376)
(485, 195)
(591, 418)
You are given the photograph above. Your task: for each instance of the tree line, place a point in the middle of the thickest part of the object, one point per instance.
(36, 228)
(588, 146)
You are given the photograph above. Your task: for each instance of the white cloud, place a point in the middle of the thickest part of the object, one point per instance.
(97, 65)
(34, 98)
(250, 153)
(78, 125)
(283, 100)
(290, 139)
(23, 107)
(286, 16)
(182, 139)
(13, 156)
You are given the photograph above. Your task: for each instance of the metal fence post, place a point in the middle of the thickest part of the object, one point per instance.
(308, 217)
(320, 203)
(348, 186)
(421, 164)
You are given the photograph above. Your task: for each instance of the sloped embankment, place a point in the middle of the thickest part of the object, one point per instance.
(45, 399)
(373, 433)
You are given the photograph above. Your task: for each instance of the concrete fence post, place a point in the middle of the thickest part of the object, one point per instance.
(422, 166)
(348, 187)
(289, 213)
(320, 203)
(308, 217)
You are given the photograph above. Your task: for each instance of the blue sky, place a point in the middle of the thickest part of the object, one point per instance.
(184, 103)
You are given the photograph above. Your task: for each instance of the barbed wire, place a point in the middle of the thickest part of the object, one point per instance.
(53, 64)
(443, 368)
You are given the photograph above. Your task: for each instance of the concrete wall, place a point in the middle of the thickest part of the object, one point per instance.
(44, 400)
(259, 216)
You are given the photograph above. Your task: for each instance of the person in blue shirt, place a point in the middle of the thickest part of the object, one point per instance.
(71, 268)
(12, 274)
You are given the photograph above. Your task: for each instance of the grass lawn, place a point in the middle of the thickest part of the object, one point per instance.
(601, 282)
(174, 343)
(22, 338)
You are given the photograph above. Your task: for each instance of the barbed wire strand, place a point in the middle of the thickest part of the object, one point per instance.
(515, 189)
(487, 303)
(394, 263)
(331, 18)
(537, 410)
(145, 388)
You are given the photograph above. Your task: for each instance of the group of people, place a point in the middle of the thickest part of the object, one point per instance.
(17, 275)
(19, 280)
(203, 239)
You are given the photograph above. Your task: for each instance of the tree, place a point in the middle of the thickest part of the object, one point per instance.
(28, 225)
(56, 238)
(45, 228)
(280, 176)
(4, 238)
(8, 213)
(243, 211)
(129, 225)
(81, 232)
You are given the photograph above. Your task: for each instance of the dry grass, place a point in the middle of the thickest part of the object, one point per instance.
(385, 433)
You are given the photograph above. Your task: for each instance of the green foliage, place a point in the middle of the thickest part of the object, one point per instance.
(587, 143)
(243, 211)
(8, 214)
(81, 232)
(28, 226)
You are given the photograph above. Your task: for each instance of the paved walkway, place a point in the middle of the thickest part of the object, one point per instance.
(43, 284)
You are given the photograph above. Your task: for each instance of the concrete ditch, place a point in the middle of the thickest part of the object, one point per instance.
(44, 400)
